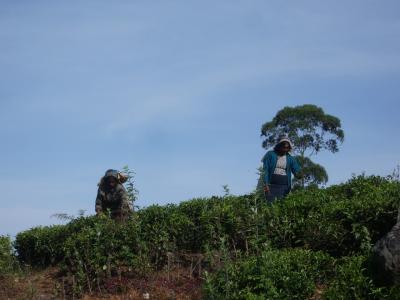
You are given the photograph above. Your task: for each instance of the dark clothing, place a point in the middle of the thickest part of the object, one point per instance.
(279, 179)
(279, 185)
(269, 163)
(115, 200)
(278, 188)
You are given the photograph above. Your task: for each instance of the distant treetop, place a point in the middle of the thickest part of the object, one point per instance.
(308, 127)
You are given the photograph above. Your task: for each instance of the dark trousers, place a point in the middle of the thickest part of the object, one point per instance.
(278, 188)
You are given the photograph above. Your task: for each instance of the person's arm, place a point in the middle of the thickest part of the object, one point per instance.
(123, 197)
(266, 172)
(295, 167)
(99, 202)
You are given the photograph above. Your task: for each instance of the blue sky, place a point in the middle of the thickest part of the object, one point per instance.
(178, 90)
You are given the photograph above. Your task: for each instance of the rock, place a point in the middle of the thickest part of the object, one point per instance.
(385, 258)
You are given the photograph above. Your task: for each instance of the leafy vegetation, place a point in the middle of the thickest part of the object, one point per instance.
(351, 281)
(287, 250)
(41, 246)
(308, 126)
(130, 186)
(7, 259)
(286, 274)
(311, 174)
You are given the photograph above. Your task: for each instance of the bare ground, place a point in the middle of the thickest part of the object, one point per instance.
(48, 284)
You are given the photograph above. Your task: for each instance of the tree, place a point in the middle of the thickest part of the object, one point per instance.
(311, 131)
(312, 173)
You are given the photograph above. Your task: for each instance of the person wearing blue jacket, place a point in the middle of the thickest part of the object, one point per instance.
(278, 166)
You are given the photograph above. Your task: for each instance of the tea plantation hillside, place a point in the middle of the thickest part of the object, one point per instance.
(314, 245)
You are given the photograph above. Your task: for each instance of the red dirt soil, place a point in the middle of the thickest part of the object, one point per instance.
(48, 284)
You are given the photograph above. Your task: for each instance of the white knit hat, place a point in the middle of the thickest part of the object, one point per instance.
(284, 138)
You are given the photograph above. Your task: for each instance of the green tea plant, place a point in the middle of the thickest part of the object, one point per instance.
(156, 228)
(41, 246)
(96, 252)
(7, 259)
(351, 281)
(342, 220)
(130, 186)
(285, 274)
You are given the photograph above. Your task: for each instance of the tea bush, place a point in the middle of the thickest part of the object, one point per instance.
(285, 274)
(199, 224)
(351, 225)
(296, 274)
(98, 251)
(156, 228)
(231, 217)
(351, 281)
(341, 220)
(41, 246)
(44, 245)
(7, 259)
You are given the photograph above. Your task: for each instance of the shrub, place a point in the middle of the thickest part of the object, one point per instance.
(341, 220)
(7, 259)
(41, 246)
(154, 229)
(44, 245)
(285, 274)
(351, 281)
(351, 225)
(231, 217)
(98, 251)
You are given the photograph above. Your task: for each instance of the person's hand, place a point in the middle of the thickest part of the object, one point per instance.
(266, 188)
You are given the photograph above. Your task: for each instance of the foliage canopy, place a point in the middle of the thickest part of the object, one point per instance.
(308, 127)
(311, 173)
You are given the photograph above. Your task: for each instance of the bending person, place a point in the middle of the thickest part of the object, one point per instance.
(112, 196)
(278, 166)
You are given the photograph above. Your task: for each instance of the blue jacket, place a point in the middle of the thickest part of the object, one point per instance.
(269, 164)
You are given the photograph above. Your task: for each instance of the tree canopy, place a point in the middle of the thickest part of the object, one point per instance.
(308, 127)
(312, 174)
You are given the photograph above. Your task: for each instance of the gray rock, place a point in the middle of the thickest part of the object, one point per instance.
(385, 259)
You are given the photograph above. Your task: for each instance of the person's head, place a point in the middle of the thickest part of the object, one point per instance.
(111, 178)
(111, 181)
(284, 145)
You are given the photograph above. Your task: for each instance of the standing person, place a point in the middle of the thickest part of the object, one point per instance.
(112, 196)
(278, 166)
